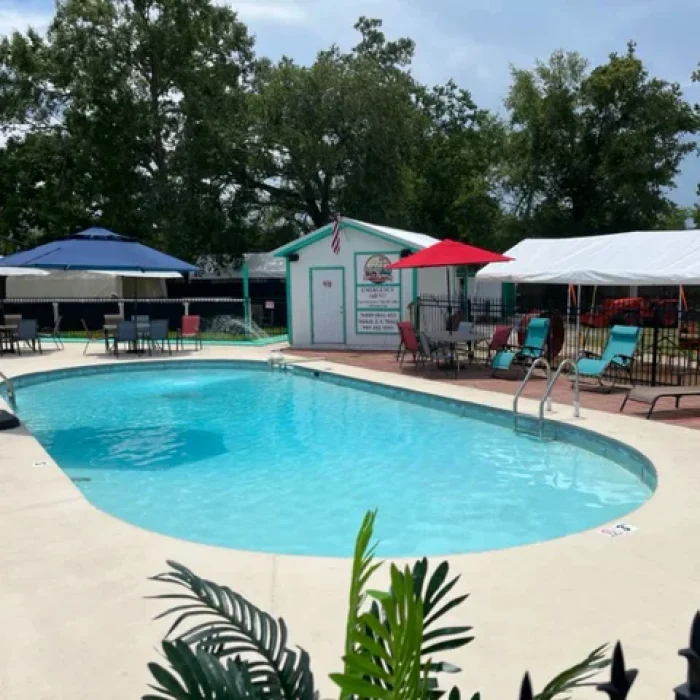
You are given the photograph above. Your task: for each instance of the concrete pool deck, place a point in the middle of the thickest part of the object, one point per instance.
(73, 579)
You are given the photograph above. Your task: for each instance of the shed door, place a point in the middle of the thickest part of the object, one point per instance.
(328, 305)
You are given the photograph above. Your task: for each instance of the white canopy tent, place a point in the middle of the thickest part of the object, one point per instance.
(649, 258)
(638, 258)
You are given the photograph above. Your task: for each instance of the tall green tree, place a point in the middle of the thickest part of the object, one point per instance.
(455, 177)
(338, 136)
(151, 98)
(593, 151)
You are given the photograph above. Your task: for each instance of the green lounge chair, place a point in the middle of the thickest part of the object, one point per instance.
(532, 349)
(618, 355)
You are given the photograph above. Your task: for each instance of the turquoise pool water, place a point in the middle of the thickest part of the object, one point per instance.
(279, 462)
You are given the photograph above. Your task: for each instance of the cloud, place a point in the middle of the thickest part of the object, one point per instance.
(278, 11)
(17, 20)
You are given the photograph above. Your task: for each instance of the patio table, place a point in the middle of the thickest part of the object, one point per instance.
(452, 340)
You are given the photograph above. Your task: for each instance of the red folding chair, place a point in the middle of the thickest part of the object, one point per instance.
(190, 329)
(499, 341)
(409, 342)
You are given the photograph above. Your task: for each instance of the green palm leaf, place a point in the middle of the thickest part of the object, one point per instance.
(576, 676)
(363, 566)
(386, 646)
(200, 676)
(228, 626)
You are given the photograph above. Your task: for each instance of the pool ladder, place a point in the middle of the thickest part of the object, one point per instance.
(277, 361)
(11, 395)
(546, 401)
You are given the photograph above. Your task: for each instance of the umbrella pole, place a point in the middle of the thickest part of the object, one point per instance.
(449, 301)
(136, 311)
(3, 294)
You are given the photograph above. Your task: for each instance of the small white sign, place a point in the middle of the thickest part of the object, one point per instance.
(378, 296)
(617, 530)
(378, 321)
(269, 304)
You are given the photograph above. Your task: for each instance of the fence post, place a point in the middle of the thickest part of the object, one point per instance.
(690, 690)
(246, 295)
(621, 679)
(654, 353)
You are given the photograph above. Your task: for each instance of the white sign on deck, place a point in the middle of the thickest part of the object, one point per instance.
(617, 530)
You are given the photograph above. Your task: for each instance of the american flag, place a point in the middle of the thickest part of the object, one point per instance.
(335, 236)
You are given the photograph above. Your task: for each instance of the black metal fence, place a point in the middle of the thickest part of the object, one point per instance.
(221, 317)
(622, 678)
(667, 353)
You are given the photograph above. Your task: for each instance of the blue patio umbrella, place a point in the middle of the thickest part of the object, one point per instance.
(96, 249)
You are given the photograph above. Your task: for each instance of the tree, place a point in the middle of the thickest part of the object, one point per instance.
(459, 153)
(593, 151)
(337, 136)
(151, 98)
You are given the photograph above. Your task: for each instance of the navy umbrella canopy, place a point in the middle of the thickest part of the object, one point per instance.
(96, 249)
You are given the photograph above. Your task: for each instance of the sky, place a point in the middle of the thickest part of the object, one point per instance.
(473, 42)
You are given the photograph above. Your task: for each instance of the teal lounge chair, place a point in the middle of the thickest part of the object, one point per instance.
(533, 348)
(618, 355)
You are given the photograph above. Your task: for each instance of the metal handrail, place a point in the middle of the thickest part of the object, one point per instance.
(533, 366)
(574, 388)
(11, 395)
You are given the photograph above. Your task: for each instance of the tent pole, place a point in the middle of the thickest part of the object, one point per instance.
(578, 323)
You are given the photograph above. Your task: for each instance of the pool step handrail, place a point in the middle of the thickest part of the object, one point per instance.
(277, 360)
(547, 400)
(11, 395)
(574, 387)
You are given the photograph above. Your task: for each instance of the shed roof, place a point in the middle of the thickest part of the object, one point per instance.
(409, 239)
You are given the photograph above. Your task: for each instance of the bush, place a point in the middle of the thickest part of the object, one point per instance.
(221, 647)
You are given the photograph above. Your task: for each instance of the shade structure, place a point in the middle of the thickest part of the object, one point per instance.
(137, 274)
(96, 249)
(639, 257)
(21, 272)
(450, 253)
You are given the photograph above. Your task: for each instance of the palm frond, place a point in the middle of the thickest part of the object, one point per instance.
(363, 567)
(576, 676)
(227, 625)
(200, 676)
(386, 660)
(434, 591)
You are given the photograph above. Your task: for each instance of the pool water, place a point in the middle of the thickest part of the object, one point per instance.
(279, 462)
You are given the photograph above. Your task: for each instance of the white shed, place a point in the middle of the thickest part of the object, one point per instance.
(349, 299)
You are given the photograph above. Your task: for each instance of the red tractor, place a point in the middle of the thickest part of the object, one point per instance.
(632, 311)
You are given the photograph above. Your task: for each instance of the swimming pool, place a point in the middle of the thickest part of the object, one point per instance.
(232, 454)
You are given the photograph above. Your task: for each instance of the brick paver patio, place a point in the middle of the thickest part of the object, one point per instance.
(478, 376)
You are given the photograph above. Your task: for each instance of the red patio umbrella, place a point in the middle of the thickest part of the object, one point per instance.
(449, 253)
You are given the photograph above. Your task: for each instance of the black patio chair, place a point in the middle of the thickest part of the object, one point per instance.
(53, 334)
(158, 336)
(125, 333)
(27, 332)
